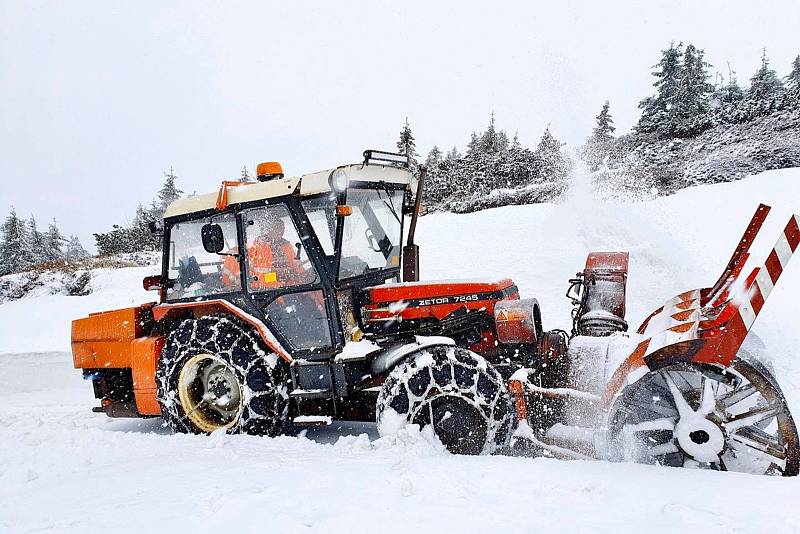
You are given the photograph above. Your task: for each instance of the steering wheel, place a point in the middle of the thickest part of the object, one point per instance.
(372, 241)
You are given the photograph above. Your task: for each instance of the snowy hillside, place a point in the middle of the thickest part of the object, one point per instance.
(64, 468)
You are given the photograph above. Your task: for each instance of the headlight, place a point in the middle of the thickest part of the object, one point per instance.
(339, 180)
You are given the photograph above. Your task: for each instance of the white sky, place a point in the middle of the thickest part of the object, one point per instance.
(98, 98)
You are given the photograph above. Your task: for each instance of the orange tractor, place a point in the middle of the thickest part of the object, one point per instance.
(294, 301)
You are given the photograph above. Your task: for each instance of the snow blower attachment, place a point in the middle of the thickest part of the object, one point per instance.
(296, 301)
(687, 395)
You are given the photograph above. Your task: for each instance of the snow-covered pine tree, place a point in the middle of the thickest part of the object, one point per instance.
(731, 92)
(599, 143)
(473, 146)
(434, 158)
(245, 177)
(168, 193)
(454, 154)
(13, 257)
(55, 242)
(502, 141)
(689, 115)
(35, 245)
(141, 238)
(515, 144)
(765, 85)
(492, 141)
(406, 145)
(488, 139)
(553, 165)
(74, 250)
(604, 125)
(793, 79)
(656, 110)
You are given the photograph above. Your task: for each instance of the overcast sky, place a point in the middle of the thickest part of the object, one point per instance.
(97, 99)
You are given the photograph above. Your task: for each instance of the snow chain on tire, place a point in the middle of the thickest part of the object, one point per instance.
(260, 374)
(438, 381)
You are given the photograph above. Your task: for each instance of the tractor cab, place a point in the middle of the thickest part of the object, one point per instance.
(294, 253)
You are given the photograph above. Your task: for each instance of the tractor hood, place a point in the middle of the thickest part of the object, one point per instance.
(417, 300)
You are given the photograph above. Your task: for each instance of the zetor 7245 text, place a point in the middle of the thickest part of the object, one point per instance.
(295, 301)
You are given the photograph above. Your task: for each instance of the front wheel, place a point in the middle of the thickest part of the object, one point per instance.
(455, 391)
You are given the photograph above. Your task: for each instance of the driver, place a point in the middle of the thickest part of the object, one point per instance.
(273, 261)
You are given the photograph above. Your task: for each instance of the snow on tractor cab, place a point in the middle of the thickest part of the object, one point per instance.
(292, 302)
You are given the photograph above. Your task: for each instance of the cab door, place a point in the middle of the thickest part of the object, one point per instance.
(285, 281)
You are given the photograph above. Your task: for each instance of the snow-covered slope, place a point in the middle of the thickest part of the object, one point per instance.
(65, 469)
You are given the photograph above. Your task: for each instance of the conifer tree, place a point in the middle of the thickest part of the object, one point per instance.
(656, 110)
(74, 250)
(548, 152)
(169, 192)
(604, 125)
(13, 257)
(731, 92)
(245, 176)
(793, 79)
(406, 145)
(599, 143)
(453, 155)
(35, 246)
(473, 146)
(434, 158)
(765, 84)
(54, 242)
(515, 144)
(688, 115)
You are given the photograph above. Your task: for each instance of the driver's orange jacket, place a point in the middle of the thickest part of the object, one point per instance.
(272, 265)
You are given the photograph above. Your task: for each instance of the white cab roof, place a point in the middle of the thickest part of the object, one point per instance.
(310, 184)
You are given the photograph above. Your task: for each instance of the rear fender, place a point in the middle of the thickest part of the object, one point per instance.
(208, 307)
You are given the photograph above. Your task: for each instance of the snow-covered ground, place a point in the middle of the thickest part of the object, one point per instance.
(63, 468)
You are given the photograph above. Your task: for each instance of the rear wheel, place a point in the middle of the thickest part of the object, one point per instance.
(455, 391)
(688, 415)
(214, 373)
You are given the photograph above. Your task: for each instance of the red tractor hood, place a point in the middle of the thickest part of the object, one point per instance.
(413, 300)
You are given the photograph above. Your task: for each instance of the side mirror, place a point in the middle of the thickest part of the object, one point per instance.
(152, 283)
(213, 240)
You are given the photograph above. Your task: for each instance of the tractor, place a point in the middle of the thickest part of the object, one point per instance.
(295, 301)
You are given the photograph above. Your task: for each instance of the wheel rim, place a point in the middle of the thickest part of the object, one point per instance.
(209, 392)
(705, 417)
(457, 422)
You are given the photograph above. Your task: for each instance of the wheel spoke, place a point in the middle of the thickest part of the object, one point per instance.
(750, 418)
(755, 438)
(662, 449)
(655, 408)
(737, 395)
(665, 423)
(708, 401)
(721, 464)
(680, 403)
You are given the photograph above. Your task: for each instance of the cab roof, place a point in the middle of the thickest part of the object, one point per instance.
(307, 184)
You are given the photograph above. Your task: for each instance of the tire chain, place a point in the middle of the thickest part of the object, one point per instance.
(454, 371)
(262, 376)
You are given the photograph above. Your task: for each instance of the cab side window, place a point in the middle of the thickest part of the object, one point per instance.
(193, 271)
(276, 255)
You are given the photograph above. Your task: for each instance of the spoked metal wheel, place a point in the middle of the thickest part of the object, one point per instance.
(210, 392)
(707, 417)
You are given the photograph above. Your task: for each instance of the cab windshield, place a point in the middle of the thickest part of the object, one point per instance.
(372, 233)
